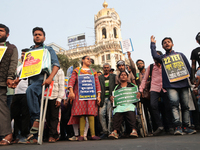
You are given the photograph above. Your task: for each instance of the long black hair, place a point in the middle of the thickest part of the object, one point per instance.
(122, 72)
(83, 59)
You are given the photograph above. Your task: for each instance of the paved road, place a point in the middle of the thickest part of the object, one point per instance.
(165, 142)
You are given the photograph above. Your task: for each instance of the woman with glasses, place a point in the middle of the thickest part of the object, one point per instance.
(84, 80)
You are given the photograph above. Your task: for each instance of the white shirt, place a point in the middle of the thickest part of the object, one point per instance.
(58, 91)
(23, 84)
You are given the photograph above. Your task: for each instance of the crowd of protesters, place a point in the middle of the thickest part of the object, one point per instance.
(169, 107)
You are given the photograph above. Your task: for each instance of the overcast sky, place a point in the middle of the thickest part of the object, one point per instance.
(179, 19)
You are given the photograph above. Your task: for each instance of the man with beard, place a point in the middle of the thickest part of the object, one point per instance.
(154, 71)
(177, 91)
(34, 91)
(146, 102)
(8, 66)
(140, 65)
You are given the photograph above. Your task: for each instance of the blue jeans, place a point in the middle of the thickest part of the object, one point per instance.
(33, 93)
(181, 96)
(107, 108)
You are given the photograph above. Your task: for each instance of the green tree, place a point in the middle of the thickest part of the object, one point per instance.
(65, 62)
(96, 67)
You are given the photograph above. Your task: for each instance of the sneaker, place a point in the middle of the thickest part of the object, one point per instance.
(188, 130)
(22, 140)
(73, 138)
(159, 131)
(178, 131)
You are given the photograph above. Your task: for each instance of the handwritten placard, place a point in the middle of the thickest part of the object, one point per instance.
(175, 68)
(86, 85)
(126, 95)
(126, 46)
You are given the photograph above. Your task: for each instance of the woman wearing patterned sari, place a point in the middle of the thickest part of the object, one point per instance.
(84, 108)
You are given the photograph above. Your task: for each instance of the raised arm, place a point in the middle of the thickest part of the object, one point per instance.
(132, 64)
(153, 50)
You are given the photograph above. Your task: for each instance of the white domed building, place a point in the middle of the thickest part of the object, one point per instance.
(107, 49)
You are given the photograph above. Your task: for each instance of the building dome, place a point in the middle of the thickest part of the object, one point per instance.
(105, 11)
(105, 4)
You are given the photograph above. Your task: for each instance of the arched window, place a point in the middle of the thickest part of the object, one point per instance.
(115, 32)
(104, 33)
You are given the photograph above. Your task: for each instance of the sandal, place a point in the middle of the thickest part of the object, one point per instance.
(113, 135)
(5, 142)
(134, 133)
(34, 130)
(52, 140)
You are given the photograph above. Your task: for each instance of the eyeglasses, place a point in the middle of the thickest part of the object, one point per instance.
(87, 58)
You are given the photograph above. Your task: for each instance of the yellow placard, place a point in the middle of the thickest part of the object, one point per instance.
(2, 51)
(32, 64)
